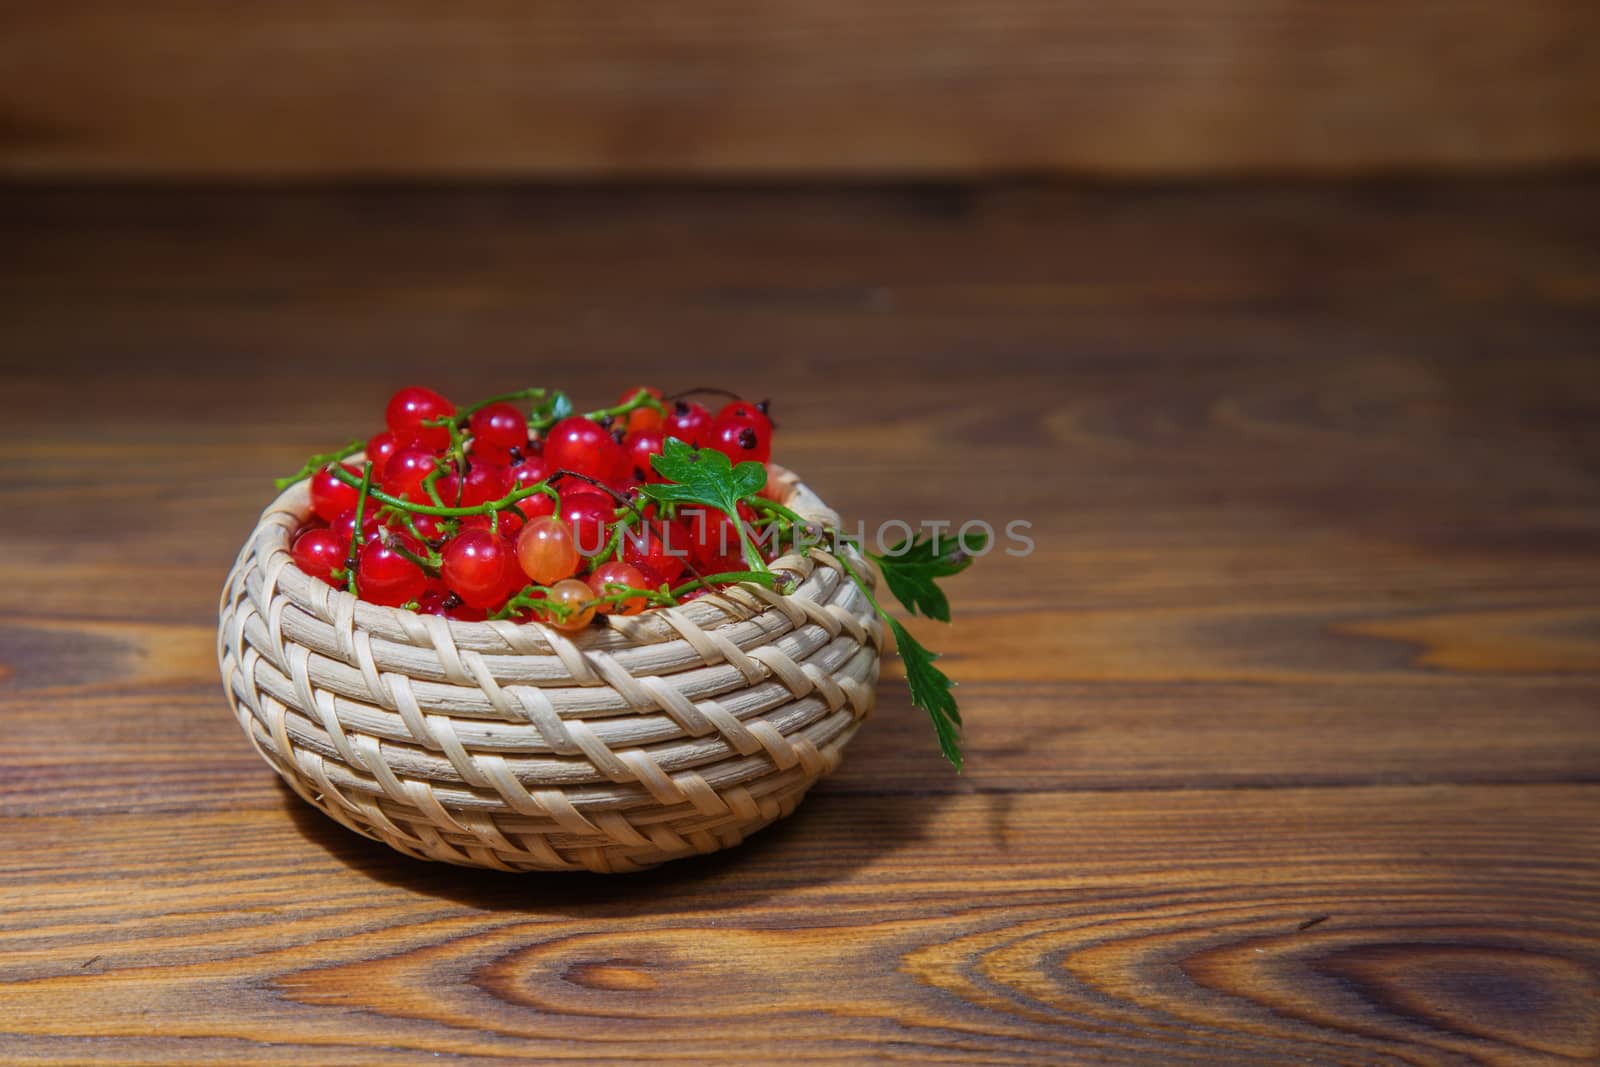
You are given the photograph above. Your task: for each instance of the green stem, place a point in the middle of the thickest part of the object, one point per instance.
(316, 463)
(430, 563)
(488, 507)
(640, 399)
(761, 503)
(547, 414)
(362, 489)
(765, 578)
(461, 417)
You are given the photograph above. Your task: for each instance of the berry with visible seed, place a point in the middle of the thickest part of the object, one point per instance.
(689, 422)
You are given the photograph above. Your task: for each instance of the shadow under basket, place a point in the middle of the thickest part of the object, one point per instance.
(514, 746)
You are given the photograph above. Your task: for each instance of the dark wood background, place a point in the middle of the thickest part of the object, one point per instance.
(830, 87)
(1284, 745)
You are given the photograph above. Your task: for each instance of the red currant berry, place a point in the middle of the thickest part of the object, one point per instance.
(483, 483)
(576, 595)
(589, 514)
(345, 524)
(532, 507)
(689, 422)
(474, 568)
(642, 418)
(661, 546)
(756, 413)
(641, 445)
(436, 601)
(403, 474)
(530, 471)
(545, 550)
(329, 495)
(481, 453)
(380, 446)
(499, 426)
(740, 439)
(652, 578)
(583, 445)
(319, 553)
(608, 576)
(386, 577)
(413, 406)
(713, 537)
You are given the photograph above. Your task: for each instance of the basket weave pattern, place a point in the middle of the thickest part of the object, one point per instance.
(515, 746)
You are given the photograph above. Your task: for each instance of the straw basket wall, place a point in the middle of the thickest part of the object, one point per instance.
(514, 746)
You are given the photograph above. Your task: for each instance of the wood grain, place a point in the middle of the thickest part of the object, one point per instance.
(950, 87)
(1284, 743)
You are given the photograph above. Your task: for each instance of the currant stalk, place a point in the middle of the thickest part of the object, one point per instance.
(362, 489)
(443, 512)
(316, 463)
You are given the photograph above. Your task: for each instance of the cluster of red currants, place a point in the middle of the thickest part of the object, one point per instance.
(494, 512)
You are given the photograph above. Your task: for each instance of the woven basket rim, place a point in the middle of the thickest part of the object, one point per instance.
(712, 611)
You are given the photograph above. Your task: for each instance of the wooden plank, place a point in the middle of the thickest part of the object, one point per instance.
(1323, 926)
(968, 87)
(1309, 631)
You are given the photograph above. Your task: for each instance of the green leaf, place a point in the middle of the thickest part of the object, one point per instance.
(560, 407)
(703, 476)
(910, 569)
(930, 691)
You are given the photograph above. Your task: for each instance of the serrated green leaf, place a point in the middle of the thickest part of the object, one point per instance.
(703, 476)
(910, 569)
(930, 691)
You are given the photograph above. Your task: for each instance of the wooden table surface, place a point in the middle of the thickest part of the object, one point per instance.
(1284, 743)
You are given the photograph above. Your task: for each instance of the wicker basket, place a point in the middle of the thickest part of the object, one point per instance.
(496, 744)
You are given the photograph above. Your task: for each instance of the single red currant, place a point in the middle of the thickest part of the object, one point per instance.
(531, 471)
(545, 550)
(380, 446)
(483, 483)
(345, 524)
(713, 538)
(661, 546)
(589, 514)
(499, 426)
(642, 418)
(319, 553)
(329, 495)
(403, 474)
(583, 445)
(689, 422)
(608, 577)
(474, 568)
(575, 594)
(386, 577)
(413, 406)
(740, 439)
(743, 409)
(436, 601)
(652, 578)
(641, 445)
